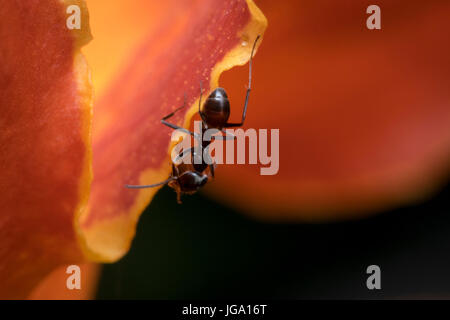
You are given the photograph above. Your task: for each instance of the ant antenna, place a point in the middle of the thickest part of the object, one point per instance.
(151, 185)
(200, 105)
(200, 99)
(177, 109)
(249, 80)
(250, 63)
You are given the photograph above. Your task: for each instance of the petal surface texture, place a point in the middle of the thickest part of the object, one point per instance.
(45, 116)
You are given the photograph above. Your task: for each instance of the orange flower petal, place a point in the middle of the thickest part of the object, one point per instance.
(198, 41)
(46, 108)
(114, 43)
(364, 115)
(47, 167)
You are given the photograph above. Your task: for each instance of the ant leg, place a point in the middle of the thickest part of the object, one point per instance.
(150, 185)
(207, 157)
(247, 96)
(176, 110)
(174, 176)
(199, 106)
(175, 172)
(211, 169)
(174, 126)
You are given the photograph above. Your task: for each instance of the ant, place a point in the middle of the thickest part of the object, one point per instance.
(187, 179)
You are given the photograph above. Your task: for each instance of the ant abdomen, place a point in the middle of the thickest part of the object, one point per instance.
(216, 109)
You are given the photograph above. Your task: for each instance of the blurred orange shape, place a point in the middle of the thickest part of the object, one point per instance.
(46, 98)
(364, 115)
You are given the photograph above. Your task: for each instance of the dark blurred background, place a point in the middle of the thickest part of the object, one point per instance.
(201, 250)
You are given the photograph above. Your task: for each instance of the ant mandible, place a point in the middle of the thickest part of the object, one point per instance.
(187, 179)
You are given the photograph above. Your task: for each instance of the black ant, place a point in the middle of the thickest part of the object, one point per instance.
(187, 179)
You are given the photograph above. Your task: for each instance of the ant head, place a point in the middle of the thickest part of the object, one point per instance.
(216, 109)
(191, 181)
